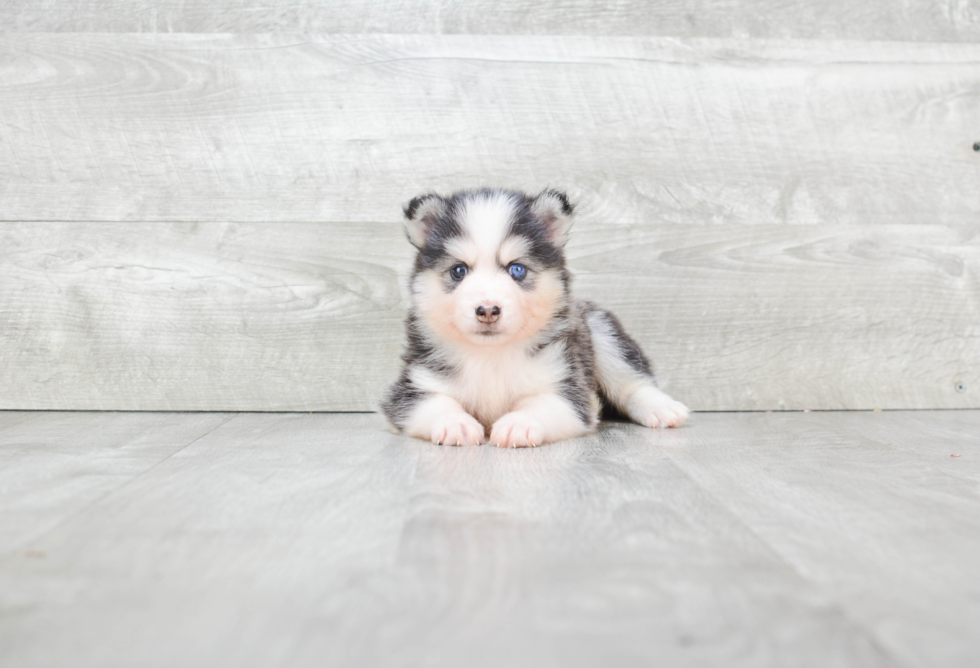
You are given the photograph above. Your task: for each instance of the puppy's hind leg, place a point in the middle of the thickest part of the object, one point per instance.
(624, 374)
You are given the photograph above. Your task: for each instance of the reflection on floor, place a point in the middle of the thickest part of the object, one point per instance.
(742, 539)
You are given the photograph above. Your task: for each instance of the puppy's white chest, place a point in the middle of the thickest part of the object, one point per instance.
(489, 385)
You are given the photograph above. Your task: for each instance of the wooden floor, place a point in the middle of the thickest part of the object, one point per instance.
(743, 539)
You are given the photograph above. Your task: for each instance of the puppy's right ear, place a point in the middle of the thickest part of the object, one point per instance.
(421, 215)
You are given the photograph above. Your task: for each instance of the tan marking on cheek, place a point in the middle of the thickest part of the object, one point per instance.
(539, 304)
(436, 307)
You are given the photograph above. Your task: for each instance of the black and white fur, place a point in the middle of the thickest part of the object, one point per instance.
(496, 343)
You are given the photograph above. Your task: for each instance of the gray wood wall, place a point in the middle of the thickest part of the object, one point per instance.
(201, 201)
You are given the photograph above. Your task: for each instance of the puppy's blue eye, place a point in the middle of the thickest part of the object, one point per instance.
(517, 271)
(458, 271)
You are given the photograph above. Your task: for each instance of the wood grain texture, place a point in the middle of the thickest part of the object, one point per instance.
(307, 316)
(848, 494)
(55, 465)
(188, 316)
(740, 540)
(815, 317)
(943, 21)
(345, 128)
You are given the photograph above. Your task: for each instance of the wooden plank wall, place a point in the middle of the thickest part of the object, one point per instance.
(783, 207)
(925, 21)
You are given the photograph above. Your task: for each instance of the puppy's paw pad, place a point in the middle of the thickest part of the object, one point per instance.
(517, 430)
(457, 429)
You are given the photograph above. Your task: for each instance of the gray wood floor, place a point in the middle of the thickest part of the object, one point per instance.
(743, 539)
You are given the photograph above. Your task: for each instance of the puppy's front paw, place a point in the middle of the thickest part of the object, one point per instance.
(457, 429)
(517, 430)
(653, 408)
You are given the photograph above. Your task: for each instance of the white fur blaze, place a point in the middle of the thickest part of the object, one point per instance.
(537, 420)
(443, 421)
(486, 220)
(653, 408)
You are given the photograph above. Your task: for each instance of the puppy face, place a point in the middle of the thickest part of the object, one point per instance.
(490, 269)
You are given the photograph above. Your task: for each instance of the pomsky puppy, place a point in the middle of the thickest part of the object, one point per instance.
(496, 342)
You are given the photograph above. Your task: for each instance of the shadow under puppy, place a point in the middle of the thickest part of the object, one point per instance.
(497, 343)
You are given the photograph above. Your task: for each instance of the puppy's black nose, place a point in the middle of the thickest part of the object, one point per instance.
(488, 313)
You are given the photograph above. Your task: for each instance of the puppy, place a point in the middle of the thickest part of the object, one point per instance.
(496, 342)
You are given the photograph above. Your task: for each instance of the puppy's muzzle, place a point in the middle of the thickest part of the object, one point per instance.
(488, 313)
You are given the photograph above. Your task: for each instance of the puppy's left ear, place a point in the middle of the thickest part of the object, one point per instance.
(555, 211)
(421, 215)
